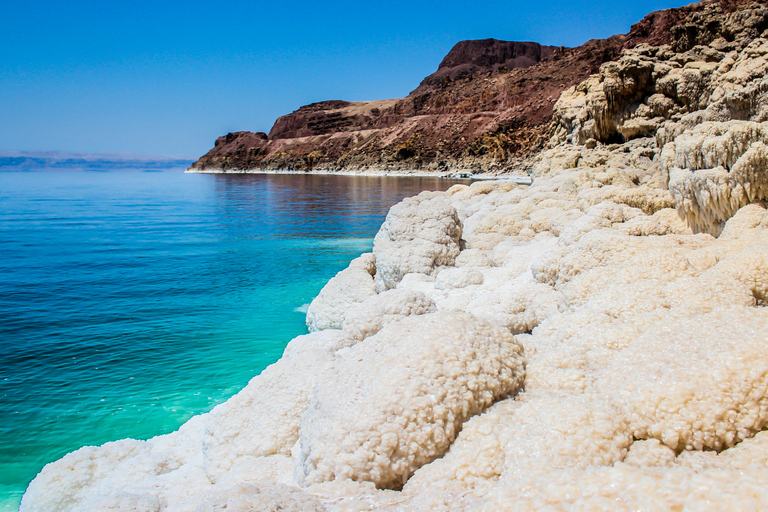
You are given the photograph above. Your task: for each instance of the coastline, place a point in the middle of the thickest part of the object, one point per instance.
(515, 178)
(499, 269)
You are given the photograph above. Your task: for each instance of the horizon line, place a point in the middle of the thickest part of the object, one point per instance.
(84, 155)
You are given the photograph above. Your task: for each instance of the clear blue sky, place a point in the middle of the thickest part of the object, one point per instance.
(169, 77)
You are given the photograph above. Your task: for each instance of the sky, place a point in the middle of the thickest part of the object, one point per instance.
(168, 77)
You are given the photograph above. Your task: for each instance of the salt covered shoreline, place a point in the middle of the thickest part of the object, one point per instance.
(593, 341)
(522, 179)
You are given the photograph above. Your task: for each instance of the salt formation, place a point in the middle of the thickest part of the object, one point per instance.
(372, 315)
(349, 287)
(700, 102)
(596, 341)
(419, 234)
(450, 366)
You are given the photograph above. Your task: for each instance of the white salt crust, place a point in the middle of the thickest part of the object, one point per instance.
(639, 345)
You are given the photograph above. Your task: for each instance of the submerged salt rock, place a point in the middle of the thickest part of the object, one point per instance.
(419, 234)
(351, 286)
(441, 369)
(372, 315)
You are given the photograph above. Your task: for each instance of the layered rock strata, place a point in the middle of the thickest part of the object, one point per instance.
(593, 341)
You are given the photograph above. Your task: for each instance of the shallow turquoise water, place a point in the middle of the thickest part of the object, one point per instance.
(130, 301)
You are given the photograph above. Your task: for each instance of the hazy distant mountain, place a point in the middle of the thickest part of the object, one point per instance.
(97, 162)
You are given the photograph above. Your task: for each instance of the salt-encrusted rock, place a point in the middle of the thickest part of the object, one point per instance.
(714, 400)
(473, 258)
(451, 278)
(419, 235)
(526, 437)
(625, 488)
(650, 453)
(749, 454)
(664, 222)
(420, 283)
(351, 286)
(122, 502)
(695, 99)
(441, 369)
(373, 314)
(519, 304)
(77, 476)
(715, 169)
(634, 96)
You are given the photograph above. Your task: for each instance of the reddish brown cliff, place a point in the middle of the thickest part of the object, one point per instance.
(486, 107)
(469, 58)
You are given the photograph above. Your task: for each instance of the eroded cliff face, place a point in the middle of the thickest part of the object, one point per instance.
(485, 109)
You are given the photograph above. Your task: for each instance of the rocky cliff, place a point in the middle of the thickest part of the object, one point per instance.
(488, 105)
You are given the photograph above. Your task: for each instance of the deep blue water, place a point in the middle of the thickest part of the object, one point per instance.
(130, 301)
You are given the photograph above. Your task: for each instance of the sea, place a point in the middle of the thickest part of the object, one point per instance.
(132, 299)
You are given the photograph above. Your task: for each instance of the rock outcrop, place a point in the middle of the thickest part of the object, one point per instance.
(485, 109)
(469, 58)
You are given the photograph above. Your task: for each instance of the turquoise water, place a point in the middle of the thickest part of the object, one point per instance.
(130, 301)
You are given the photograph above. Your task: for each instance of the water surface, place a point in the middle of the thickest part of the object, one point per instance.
(130, 301)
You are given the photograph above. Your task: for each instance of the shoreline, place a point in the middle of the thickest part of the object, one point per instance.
(515, 178)
(266, 440)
